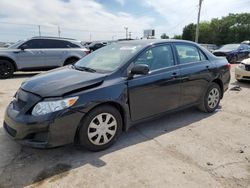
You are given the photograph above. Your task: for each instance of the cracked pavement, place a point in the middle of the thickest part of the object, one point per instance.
(182, 149)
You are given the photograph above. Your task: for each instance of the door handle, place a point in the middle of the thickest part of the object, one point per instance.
(208, 67)
(174, 75)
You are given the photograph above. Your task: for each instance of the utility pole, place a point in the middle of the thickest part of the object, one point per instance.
(59, 31)
(90, 37)
(39, 30)
(198, 22)
(126, 28)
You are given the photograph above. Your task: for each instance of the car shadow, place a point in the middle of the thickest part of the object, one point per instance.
(35, 165)
(243, 83)
(18, 75)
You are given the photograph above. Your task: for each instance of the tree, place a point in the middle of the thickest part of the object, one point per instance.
(177, 37)
(164, 36)
(233, 28)
(189, 32)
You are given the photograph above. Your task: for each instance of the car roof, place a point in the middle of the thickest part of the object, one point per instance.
(148, 42)
(57, 38)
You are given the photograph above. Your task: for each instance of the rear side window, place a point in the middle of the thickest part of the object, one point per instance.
(189, 54)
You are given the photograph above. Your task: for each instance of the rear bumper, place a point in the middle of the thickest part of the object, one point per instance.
(241, 74)
(46, 132)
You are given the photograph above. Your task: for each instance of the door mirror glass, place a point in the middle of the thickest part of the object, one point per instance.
(23, 47)
(140, 69)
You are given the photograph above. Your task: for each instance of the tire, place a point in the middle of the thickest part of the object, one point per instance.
(211, 99)
(234, 60)
(91, 134)
(70, 61)
(6, 69)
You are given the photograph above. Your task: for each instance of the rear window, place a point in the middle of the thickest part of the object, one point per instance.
(189, 54)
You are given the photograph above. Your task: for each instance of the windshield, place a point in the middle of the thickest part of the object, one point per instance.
(16, 45)
(230, 47)
(109, 58)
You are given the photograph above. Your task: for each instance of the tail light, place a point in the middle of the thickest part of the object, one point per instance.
(229, 66)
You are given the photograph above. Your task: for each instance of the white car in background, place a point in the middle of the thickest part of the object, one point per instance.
(40, 53)
(242, 71)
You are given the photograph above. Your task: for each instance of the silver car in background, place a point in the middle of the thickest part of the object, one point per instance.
(40, 53)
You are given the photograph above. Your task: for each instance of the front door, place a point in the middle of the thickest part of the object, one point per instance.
(32, 56)
(159, 91)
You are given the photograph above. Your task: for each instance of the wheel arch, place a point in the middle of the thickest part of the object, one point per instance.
(220, 83)
(70, 57)
(114, 104)
(10, 60)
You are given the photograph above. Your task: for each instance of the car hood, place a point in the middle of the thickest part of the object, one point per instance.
(224, 51)
(246, 61)
(9, 50)
(61, 81)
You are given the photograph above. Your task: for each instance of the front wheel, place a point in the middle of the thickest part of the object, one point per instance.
(6, 69)
(100, 128)
(211, 99)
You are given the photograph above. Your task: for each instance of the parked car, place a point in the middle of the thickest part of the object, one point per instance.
(233, 52)
(96, 45)
(242, 71)
(39, 53)
(210, 47)
(91, 102)
(246, 42)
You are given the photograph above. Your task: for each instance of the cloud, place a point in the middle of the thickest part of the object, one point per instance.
(121, 2)
(178, 13)
(76, 18)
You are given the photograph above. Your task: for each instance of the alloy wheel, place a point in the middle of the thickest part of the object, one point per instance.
(5, 69)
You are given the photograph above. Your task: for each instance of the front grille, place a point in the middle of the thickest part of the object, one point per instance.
(9, 130)
(247, 67)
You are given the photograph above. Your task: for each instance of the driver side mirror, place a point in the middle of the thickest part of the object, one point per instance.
(140, 69)
(23, 47)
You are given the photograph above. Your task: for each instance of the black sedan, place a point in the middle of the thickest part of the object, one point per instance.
(91, 102)
(233, 52)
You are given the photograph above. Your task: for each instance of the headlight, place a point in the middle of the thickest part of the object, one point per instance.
(242, 66)
(46, 107)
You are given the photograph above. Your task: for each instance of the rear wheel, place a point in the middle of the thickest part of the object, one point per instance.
(6, 69)
(100, 128)
(211, 99)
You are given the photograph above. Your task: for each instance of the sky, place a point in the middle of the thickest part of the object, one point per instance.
(106, 19)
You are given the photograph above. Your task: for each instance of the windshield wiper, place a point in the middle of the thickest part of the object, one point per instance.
(84, 68)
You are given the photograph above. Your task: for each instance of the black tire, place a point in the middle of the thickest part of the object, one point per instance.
(234, 60)
(205, 105)
(83, 138)
(70, 61)
(6, 69)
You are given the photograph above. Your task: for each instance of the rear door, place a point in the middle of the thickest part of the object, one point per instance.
(32, 56)
(196, 72)
(55, 52)
(159, 91)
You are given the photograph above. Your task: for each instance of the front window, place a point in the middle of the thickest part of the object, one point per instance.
(157, 57)
(109, 58)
